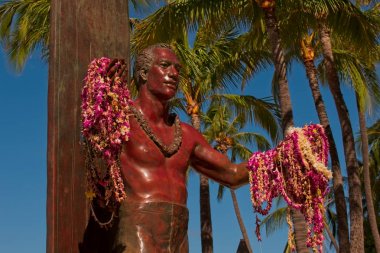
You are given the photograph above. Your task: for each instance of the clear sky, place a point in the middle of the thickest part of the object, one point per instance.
(23, 132)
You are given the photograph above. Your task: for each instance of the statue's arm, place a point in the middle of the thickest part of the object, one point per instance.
(216, 165)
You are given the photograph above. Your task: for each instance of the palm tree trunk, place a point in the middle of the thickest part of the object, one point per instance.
(206, 224)
(340, 202)
(204, 202)
(240, 220)
(367, 179)
(332, 238)
(355, 197)
(280, 67)
(286, 110)
(74, 41)
(238, 214)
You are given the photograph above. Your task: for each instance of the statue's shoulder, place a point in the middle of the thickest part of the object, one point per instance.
(190, 132)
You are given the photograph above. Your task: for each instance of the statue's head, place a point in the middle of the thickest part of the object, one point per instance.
(144, 61)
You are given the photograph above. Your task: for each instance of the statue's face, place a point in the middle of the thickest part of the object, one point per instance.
(163, 75)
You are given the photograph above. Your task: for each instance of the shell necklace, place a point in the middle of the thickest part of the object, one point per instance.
(167, 151)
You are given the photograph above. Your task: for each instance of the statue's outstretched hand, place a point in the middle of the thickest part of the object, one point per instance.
(118, 68)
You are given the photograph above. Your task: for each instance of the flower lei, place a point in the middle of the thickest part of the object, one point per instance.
(295, 169)
(105, 126)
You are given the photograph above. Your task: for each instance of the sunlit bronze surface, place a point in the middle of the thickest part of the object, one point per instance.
(151, 178)
(152, 227)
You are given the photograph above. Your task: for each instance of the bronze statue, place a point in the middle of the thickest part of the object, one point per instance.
(154, 161)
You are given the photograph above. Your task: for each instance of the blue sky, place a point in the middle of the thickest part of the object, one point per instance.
(23, 132)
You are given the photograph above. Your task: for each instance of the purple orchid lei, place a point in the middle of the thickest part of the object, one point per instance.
(296, 170)
(105, 126)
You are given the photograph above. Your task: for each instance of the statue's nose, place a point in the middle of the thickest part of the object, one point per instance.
(173, 73)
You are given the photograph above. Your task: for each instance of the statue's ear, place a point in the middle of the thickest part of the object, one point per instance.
(143, 75)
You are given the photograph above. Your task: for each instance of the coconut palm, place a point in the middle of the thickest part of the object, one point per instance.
(362, 75)
(356, 68)
(225, 133)
(356, 210)
(357, 19)
(374, 171)
(374, 146)
(373, 133)
(308, 56)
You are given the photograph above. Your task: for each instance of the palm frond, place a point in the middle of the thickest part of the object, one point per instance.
(241, 152)
(24, 26)
(260, 111)
(220, 195)
(253, 139)
(275, 220)
(361, 74)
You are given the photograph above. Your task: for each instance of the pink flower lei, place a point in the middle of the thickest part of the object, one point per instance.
(105, 126)
(296, 170)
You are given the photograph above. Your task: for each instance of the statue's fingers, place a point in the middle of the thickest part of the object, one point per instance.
(120, 70)
(124, 76)
(112, 65)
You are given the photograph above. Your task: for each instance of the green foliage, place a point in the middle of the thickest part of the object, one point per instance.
(262, 112)
(275, 220)
(24, 26)
(361, 74)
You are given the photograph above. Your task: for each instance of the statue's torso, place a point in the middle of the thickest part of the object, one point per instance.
(150, 176)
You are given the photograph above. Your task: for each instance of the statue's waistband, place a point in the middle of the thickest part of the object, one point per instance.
(156, 206)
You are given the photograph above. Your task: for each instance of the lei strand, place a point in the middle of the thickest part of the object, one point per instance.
(105, 126)
(296, 170)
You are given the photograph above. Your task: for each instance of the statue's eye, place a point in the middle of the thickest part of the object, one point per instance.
(178, 67)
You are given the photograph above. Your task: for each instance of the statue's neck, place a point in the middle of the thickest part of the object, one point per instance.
(153, 109)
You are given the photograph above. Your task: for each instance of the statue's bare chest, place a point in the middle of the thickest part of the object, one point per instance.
(142, 151)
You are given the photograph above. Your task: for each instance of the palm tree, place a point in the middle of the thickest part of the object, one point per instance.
(357, 19)
(356, 209)
(357, 235)
(374, 171)
(361, 74)
(226, 135)
(273, 32)
(308, 55)
(324, 16)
